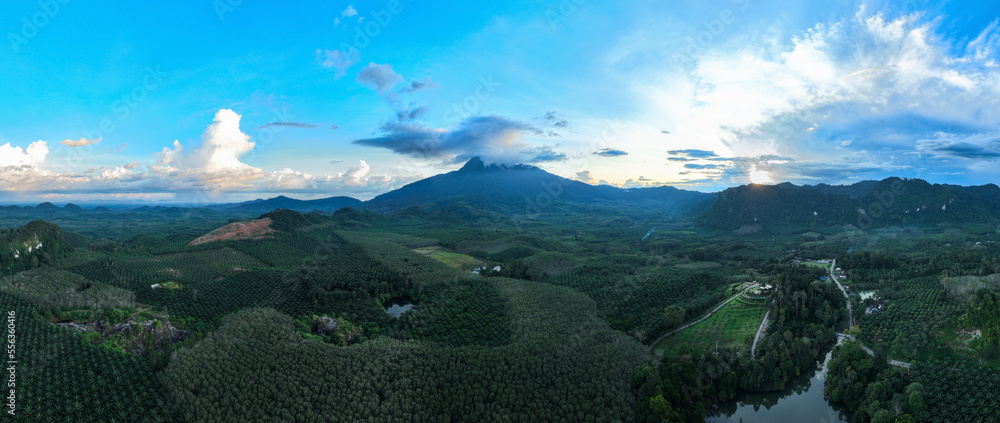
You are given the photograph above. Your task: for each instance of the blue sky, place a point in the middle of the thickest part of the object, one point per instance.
(229, 100)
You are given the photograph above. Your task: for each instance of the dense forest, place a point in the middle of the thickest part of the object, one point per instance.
(871, 389)
(506, 323)
(683, 389)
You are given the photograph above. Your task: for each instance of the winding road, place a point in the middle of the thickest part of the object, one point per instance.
(850, 313)
(833, 265)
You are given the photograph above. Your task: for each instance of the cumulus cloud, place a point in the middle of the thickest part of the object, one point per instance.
(203, 171)
(80, 142)
(585, 177)
(115, 173)
(341, 61)
(349, 12)
(22, 169)
(868, 82)
(610, 152)
(31, 157)
(215, 163)
(493, 138)
(380, 77)
(361, 175)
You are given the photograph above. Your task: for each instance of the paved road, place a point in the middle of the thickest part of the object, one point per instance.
(657, 341)
(850, 313)
(833, 265)
(760, 331)
(872, 353)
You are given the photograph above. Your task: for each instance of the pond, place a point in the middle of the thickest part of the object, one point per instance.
(398, 305)
(866, 294)
(803, 401)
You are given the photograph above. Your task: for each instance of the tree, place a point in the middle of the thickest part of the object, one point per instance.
(674, 315)
(661, 408)
(916, 402)
(883, 416)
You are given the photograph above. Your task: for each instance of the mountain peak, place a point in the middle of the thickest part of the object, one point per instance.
(474, 164)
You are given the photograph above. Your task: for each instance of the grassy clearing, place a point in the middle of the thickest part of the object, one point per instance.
(734, 324)
(452, 259)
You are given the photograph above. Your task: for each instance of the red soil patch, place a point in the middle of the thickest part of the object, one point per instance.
(253, 229)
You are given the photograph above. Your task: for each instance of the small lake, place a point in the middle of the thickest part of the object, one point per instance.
(398, 305)
(803, 401)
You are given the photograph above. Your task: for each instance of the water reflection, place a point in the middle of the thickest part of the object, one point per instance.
(803, 401)
(398, 305)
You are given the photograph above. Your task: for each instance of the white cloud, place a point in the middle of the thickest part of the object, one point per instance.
(209, 169)
(115, 173)
(349, 12)
(874, 80)
(215, 164)
(361, 175)
(80, 142)
(34, 155)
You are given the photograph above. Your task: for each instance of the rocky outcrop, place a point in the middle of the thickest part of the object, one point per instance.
(140, 338)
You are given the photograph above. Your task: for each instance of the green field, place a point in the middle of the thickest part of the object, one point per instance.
(452, 259)
(732, 325)
(819, 265)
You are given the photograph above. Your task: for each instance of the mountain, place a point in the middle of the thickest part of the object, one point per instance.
(281, 202)
(527, 190)
(36, 243)
(47, 206)
(868, 204)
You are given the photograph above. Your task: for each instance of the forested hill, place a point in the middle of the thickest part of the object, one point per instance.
(528, 189)
(890, 202)
(34, 244)
(281, 202)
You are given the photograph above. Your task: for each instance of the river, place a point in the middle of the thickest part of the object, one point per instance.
(803, 401)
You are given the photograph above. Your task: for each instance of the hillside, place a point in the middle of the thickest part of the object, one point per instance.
(890, 202)
(29, 246)
(528, 190)
(281, 202)
(251, 229)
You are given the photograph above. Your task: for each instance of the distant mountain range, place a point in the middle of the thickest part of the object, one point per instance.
(868, 204)
(281, 202)
(518, 192)
(479, 190)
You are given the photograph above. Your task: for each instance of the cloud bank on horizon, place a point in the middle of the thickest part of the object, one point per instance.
(874, 92)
